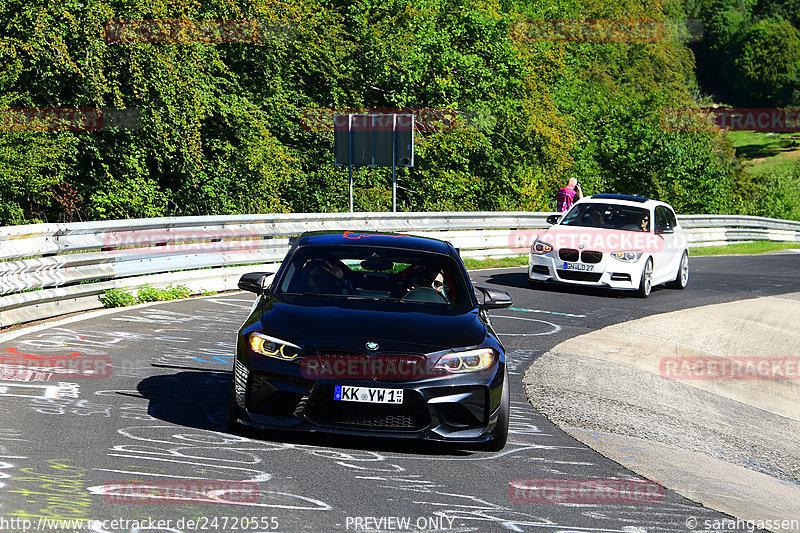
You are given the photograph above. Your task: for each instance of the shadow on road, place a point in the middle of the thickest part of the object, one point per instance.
(199, 399)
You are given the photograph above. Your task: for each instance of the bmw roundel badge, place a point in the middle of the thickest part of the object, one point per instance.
(371, 345)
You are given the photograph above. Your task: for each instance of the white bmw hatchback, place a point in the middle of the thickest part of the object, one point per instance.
(612, 240)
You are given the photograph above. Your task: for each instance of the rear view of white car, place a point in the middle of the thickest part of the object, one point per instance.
(613, 240)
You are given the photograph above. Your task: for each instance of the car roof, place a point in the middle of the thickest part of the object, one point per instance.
(373, 239)
(624, 199)
(628, 197)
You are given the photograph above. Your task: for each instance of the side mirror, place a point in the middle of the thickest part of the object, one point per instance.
(552, 219)
(254, 282)
(663, 228)
(494, 299)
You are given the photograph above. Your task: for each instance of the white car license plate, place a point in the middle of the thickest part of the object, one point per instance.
(367, 394)
(578, 266)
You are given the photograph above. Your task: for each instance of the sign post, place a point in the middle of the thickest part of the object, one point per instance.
(350, 156)
(374, 140)
(394, 165)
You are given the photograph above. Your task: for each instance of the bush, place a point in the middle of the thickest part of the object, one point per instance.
(768, 64)
(117, 298)
(177, 292)
(121, 298)
(776, 194)
(152, 294)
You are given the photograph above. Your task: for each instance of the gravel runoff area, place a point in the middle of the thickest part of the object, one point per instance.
(731, 444)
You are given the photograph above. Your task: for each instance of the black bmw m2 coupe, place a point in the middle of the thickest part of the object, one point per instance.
(374, 334)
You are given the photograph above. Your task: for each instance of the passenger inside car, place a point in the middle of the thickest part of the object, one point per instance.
(324, 276)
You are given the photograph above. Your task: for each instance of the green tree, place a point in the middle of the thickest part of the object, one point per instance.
(768, 63)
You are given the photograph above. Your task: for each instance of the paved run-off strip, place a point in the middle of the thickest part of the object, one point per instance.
(729, 443)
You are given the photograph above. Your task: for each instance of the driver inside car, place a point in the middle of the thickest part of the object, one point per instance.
(422, 276)
(432, 278)
(596, 218)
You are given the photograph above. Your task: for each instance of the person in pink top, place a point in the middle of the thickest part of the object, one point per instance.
(566, 195)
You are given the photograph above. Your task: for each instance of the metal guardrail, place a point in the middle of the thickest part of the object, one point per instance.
(48, 270)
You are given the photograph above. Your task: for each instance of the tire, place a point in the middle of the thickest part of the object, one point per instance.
(233, 412)
(646, 283)
(500, 432)
(682, 276)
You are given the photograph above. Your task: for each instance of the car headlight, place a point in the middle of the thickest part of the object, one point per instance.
(627, 257)
(469, 361)
(273, 347)
(540, 247)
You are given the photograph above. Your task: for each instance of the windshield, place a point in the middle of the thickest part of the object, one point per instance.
(610, 216)
(375, 274)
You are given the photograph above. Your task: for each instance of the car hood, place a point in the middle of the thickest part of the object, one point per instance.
(559, 230)
(344, 326)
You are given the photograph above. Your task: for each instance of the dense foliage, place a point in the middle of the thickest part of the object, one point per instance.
(750, 51)
(749, 56)
(223, 124)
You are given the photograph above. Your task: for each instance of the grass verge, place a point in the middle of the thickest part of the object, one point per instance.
(495, 262)
(748, 248)
(766, 152)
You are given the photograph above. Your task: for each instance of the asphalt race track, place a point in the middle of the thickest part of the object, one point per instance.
(73, 449)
